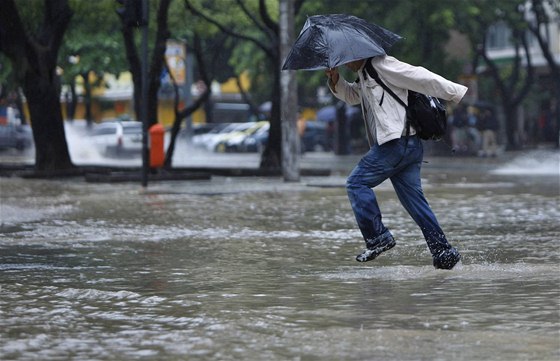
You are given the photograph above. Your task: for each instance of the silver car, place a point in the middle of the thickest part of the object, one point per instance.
(116, 138)
(19, 137)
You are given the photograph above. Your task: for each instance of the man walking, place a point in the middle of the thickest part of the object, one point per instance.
(392, 154)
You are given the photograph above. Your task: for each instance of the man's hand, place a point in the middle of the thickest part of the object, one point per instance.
(333, 76)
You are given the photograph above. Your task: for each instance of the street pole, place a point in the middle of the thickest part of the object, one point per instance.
(189, 75)
(144, 105)
(288, 105)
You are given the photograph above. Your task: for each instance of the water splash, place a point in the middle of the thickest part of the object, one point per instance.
(539, 162)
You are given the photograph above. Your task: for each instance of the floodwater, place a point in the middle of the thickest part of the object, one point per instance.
(260, 269)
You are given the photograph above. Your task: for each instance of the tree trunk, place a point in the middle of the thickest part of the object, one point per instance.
(182, 114)
(290, 136)
(51, 149)
(271, 158)
(34, 61)
(543, 20)
(19, 105)
(507, 88)
(134, 67)
(510, 114)
(156, 64)
(73, 101)
(158, 58)
(87, 98)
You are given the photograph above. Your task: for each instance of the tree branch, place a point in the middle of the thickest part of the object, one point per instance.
(13, 38)
(253, 19)
(246, 98)
(158, 58)
(203, 76)
(271, 24)
(493, 70)
(516, 61)
(227, 30)
(529, 78)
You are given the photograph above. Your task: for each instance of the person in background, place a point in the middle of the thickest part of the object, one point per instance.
(459, 129)
(473, 134)
(488, 125)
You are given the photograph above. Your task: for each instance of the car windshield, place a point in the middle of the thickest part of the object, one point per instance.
(132, 129)
(104, 130)
(229, 128)
(242, 126)
(219, 128)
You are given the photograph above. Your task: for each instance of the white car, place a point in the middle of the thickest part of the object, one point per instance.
(117, 138)
(200, 140)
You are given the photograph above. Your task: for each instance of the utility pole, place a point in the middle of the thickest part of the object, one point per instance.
(144, 105)
(134, 13)
(288, 105)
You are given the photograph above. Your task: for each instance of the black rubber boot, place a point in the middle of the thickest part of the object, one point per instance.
(375, 249)
(446, 259)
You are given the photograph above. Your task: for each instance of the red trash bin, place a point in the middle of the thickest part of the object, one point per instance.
(157, 154)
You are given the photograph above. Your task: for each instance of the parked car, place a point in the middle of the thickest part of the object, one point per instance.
(19, 137)
(234, 143)
(197, 129)
(200, 140)
(211, 140)
(314, 139)
(219, 143)
(256, 142)
(116, 138)
(205, 128)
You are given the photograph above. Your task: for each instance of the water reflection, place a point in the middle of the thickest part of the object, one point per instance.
(260, 269)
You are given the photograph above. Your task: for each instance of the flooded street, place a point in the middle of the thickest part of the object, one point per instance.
(260, 269)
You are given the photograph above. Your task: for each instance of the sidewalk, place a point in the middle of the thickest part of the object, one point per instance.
(247, 164)
(188, 159)
(343, 164)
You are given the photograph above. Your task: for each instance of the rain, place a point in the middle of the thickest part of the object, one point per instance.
(258, 268)
(244, 248)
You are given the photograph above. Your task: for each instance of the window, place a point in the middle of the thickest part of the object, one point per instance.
(499, 36)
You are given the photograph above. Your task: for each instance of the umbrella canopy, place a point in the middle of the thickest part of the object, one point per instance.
(327, 41)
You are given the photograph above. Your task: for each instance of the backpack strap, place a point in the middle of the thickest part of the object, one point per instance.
(375, 76)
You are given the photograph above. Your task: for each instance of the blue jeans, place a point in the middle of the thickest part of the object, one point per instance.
(401, 163)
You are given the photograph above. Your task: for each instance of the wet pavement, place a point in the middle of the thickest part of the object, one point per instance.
(249, 268)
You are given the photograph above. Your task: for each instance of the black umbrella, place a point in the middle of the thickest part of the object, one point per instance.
(327, 41)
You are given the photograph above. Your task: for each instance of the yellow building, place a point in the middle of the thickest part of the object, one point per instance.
(113, 98)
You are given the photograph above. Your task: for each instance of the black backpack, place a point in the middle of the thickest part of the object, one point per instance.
(426, 114)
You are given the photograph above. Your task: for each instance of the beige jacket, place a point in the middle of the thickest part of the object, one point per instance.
(384, 116)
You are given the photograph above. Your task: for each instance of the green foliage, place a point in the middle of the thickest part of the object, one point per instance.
(93, 41)
(94, 33)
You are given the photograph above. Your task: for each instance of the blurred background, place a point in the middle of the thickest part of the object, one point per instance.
(213, 80)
